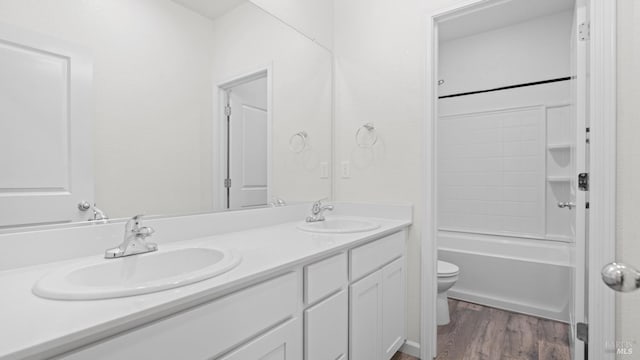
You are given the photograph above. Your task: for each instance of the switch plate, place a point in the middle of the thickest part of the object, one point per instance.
(345, 169)
(324, 170)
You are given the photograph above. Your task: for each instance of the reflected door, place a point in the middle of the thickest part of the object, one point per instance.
(45, 156)
(247, 184)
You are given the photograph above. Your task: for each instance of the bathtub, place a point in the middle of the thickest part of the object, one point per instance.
(530, 276)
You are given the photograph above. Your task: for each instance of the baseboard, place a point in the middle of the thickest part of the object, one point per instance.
(411, 348)
(506, 304)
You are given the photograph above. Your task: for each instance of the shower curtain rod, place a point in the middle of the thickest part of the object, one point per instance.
(507, 87)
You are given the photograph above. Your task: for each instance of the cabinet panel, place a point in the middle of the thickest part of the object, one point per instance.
(326, 329)
(365, 315)
(281, 343)
(325, 277)
(393, 307)
(374, 255)
(206, 330)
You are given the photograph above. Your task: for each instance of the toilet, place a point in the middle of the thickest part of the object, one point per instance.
(447, 277)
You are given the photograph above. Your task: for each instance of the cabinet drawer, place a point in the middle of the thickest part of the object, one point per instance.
(206, 330)
(372, 256)
(324, 277)
(326, 329)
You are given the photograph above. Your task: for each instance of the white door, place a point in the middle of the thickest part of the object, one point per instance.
(248, 141)
(628, 242)
(45, 138)
(579, 88)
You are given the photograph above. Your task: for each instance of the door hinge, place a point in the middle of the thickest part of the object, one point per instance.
(586, 205)
(582, 332)
(583, 181)
(584, 31)
(227, 110)
(227, 183)
(588, 136)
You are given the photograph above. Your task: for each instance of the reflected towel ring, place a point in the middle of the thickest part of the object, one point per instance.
(366, 139)
(298, 142)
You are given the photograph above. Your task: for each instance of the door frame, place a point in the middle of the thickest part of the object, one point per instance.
(602, 195)
(220, 135)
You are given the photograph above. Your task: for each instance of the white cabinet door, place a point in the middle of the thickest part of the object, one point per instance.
(45, 136)
(365, 317)
(326, 329)
(281, 343)
(378, 313)
(393, 308)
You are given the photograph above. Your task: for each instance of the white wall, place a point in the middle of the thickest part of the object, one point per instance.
(301, 93)
(628, 231)
(313, 18)
(151, 98)
(535, 50)
(379, 49)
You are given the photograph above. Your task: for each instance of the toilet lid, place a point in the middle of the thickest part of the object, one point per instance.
(445, 268)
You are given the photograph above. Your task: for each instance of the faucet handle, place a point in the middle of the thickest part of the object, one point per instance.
(134, 223)
(144, 232)
(315, 208)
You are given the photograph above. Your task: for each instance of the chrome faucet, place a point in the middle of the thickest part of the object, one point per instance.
(134, 240)
(316, 211)
(99, 216)
(277, 202)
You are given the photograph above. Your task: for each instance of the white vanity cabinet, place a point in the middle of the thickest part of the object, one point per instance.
(377, 300)
(348, 305)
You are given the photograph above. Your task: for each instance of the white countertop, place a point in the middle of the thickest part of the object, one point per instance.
(33, 327)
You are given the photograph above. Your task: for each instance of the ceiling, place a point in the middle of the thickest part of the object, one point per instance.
(497, 15)
(210, 8)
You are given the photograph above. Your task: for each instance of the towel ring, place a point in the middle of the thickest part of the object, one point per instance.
(366, 139)
(298, 142)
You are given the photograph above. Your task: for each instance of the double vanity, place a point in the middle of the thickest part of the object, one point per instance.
(281, 288)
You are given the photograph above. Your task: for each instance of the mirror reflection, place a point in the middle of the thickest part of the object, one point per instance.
(160, 107)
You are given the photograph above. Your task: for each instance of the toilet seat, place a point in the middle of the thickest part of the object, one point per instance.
(446, 269)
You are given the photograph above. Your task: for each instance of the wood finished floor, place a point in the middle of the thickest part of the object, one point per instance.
(482, 333)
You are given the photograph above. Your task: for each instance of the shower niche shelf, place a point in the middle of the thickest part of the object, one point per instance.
(560, 178)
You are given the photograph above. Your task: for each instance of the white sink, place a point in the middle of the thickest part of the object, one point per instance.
(135, 275)
(339, 225)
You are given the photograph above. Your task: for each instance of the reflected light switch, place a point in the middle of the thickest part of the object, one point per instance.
(345, 169)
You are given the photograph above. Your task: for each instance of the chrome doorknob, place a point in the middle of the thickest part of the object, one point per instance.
(621, 277)
(84, 206)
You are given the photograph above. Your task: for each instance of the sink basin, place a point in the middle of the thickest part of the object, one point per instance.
(135, 275)
(339, 225)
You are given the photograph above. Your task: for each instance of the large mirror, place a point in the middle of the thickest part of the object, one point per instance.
(197, 105)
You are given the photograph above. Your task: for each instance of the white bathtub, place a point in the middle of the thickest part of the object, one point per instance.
(524, 275)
